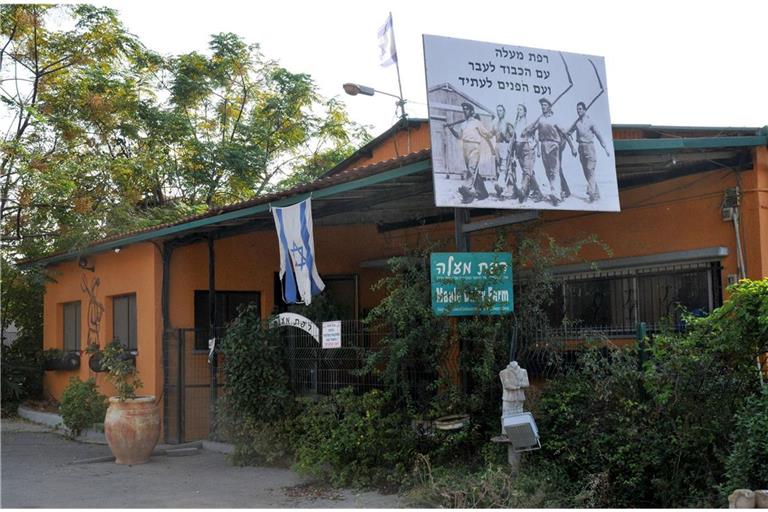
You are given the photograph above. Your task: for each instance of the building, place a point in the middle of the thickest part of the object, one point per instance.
(694, 218)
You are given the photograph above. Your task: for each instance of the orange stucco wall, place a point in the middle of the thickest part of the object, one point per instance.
(135, 269)
(755, 216)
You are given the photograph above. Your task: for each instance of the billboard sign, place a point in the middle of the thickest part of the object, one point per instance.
(518, 128)
(471, 283)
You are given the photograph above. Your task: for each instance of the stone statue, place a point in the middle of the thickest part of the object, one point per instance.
(513, 380)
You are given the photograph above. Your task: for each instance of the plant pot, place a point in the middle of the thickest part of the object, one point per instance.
(453, 422)
(132, 428)
(68, 362)
(95, 363)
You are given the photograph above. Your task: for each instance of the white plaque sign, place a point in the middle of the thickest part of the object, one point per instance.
(332, 334)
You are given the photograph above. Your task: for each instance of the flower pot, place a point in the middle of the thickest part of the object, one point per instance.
(95, 362)
(67, 362)
(132, 428)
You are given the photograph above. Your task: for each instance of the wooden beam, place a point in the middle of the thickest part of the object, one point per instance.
(505, 220)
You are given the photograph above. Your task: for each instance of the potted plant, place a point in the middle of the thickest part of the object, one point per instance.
(56, 359)
(132, 423)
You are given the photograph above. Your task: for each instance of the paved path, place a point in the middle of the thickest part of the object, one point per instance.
(37, 471)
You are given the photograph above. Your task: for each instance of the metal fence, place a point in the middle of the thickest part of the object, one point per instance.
(314, 370)
(193, 386)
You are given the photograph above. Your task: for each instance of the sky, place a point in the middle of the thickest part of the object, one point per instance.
(668, 63)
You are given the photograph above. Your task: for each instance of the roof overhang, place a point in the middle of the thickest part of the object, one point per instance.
(399, 191)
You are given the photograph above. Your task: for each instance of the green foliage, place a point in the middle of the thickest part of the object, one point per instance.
(594, 424)
(21, 375)
(82, 405)
(491, 486)
(660, 436)
(121, 370)
(137, 138)
(257, 384)
(257, 442)
(21, 303)
(747, 464)
(355, 440)
(416, 347)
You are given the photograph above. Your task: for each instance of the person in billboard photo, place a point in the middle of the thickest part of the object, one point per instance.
(551, 136)
(504, 133)
(586, 133)
(472, 134)
(523, 148)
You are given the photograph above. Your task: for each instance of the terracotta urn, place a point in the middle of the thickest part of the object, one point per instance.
(132, 428)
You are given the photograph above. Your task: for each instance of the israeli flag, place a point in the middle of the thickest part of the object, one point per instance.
(297, 252)
(387, 51)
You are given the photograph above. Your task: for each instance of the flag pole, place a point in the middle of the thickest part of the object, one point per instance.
(400, 103)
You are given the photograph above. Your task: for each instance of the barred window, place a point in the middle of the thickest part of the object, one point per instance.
(617, 301)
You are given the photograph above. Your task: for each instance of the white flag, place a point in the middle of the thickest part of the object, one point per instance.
(387, 50)
(297, 252)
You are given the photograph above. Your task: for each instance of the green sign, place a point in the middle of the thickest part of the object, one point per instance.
(471, 283)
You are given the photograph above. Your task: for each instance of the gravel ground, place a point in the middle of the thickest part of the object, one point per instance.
(38, 471)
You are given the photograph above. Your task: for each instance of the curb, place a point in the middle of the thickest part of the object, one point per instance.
(48, 419)
(54, 421)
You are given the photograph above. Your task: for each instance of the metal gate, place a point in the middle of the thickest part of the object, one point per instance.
(189, 398)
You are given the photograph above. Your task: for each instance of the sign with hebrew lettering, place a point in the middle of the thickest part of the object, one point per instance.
(332, 334)
(298, 321)
(471, 283)
(518, 128)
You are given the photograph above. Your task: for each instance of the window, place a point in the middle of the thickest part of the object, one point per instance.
(71, 312)
(228, 305)
(616, 301)
(342, 290)
(339, 298)
(124, 320)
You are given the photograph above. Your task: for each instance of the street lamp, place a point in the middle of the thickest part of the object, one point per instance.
(355, 89)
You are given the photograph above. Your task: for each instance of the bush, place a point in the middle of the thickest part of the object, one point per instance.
(256, 442)
(659, 436)
(21, 375)
(747, 464)
(593, 425)
(255, 374)
(355, 440)
(82, 405)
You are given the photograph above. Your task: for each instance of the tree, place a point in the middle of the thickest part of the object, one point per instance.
(248, 121)
(105, 136)
(69, 86)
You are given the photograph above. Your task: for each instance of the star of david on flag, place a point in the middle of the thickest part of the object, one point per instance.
(297, 252)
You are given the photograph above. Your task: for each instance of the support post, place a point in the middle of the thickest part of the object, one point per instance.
(460, 218)
(642, 348)
(165, 309)
(212, 329)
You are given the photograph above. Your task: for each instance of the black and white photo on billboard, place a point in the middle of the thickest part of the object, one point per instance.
(516, 127)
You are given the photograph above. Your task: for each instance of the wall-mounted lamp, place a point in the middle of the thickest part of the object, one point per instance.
(84, 264)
